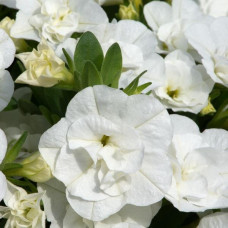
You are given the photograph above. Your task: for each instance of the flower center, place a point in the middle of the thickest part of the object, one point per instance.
(173, 93)
(104, 140)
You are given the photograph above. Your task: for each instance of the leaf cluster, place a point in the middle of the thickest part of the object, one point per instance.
(90, 67)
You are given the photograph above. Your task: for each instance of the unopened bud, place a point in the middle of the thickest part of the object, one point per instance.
(128, 12)
(35, 168)
(6, 24)
(209, 109)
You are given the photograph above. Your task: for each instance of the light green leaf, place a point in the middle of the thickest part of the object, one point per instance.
(142, 87)
(112, 66)
(88, 48)
(70, 62)
(90, 75)
(13, 152)
(10, 166)
(132, 87)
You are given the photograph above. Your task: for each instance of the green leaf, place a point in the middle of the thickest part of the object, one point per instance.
(88, 48)
(54, 99)
(70, 62)
(17, 182)
(12, 105)
(25, 183)
(13, 152)
(76, 35)
(51, 118)
(28, 107)
(21, 66)
(132, 87)
(112, 66)
(142, 87)
(90, 75)
(77, 79)
(46, 113)
(10, 166)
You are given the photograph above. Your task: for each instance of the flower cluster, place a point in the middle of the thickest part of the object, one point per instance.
(122, 118)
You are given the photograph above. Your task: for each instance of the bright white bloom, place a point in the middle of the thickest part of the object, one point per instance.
(170, 22)
(137, 43)
(8, 3)
(155, 73)
(7, 52)
(66, 217)
(6, 88)
(43, 67)
(187, 85)
(215, 8)
(22, 209)
(109, 2)
(3, 147)
(218, 220)
(210, 40)
(200, 172)
(109, 151)
(55, 20)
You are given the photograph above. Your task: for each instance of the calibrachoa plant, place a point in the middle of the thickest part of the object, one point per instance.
(113, 113)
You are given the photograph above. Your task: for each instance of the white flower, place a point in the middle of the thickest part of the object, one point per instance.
(43, 67)
(109, 2)
(215, 8)
(137, 43)
(66, 217)
(3, 147)
(8, 3)
(187, 85)
(55, 20)
(218, 220)
(6, 88)
(155, 73)
(22, 209)
(210, 40)
(7, 52)
(109, 151)
(170, 22)
(200, 173)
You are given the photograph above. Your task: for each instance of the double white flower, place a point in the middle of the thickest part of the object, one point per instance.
(55, 20)
(187, 85)
(215, 8)
(137, 43)
(22, 209)
(109, 151)
(199, 161)
(210, 40)
(170, 22)
(218, 220)
(66, 217)
(43, 67)
(7, 52)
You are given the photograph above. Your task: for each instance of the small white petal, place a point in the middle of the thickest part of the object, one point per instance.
(7, 50)
(6, 88)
